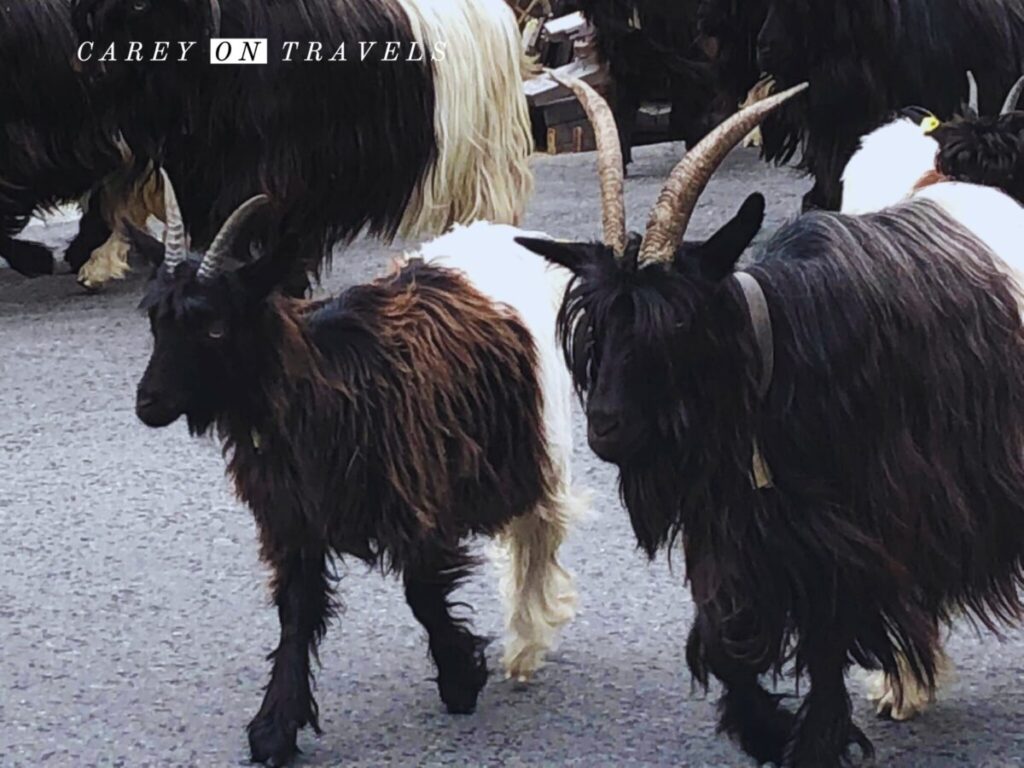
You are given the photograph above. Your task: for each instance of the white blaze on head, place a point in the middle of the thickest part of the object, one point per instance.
(889, 162)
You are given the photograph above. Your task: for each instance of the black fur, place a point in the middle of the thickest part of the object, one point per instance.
(868, 58)
(340, 147)
(984, 150)
(53, 148)
(665, 57)
(893, 428)
(388, 424)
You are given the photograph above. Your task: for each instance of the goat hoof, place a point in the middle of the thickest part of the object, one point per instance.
(271, 742)
(29, 259)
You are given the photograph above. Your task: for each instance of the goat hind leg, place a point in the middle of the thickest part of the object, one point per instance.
(457, 652)
(303, 597)
(537, 592)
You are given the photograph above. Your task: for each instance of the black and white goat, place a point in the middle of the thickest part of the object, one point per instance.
(352, 133)
(866, 59)
(916, 149)
(53, 147)
(835, 433)
(387, 424)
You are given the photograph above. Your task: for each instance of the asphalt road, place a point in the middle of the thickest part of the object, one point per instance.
(134, 615)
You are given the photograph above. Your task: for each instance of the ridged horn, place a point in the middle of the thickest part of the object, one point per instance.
(214, 18)
(1010, 105)
(609, 161)
(175, 243)
(973, 110)
(220, 247)
(678, 199)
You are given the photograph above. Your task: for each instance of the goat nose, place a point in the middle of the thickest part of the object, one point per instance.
(603, 423)
(144, 398)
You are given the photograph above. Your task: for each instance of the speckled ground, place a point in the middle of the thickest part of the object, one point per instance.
(133, 610)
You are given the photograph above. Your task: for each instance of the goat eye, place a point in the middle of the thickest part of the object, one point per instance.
(140, 6)
(216, 330)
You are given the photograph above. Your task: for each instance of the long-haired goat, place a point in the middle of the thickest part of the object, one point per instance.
(655, 50)
(386, 424)
(866, 59)
(53, 147)
(836, 433)
(916, 149)
(395, 139)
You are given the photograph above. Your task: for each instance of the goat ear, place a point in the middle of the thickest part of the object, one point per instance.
(144, 244)
(719, 253)
(572, 256)
(264, 274)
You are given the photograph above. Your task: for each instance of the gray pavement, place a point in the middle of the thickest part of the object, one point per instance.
(134, 614)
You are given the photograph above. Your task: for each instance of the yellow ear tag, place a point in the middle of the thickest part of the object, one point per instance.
(929, 124)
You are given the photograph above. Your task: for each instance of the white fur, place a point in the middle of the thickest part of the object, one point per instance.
(886, 166)
(538, 593)
(481, 118)
(993, 216)
(892, 160)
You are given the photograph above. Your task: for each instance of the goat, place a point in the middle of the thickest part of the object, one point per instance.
(53, 148)
(403, 147)
(835, 433)
(864, 60)
(386, 424)
(916, 149)
(655, 50)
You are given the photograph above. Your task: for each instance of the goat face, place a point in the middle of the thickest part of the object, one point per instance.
(206, 335)
(191, 369)
(629, 332)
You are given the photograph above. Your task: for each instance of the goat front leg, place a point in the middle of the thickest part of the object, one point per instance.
(302, 593)
(457, 652)
(825, 730)
(748, 713)
(93, 232)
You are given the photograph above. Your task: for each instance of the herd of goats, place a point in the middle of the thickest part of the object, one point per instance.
(834, 433)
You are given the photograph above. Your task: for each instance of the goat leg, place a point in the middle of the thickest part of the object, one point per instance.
(748, 713)
(30, 259)
(825, 730)
(92, 233)
(303, 597)
(457, 652)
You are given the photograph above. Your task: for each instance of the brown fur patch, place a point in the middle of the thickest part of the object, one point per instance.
(930, 178)
(405, 408)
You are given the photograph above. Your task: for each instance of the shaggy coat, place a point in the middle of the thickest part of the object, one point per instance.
(893, 430)
(984, 150)
(404, 147)
(53, 148)
(867, 59)
(655, 50)
(388, 424)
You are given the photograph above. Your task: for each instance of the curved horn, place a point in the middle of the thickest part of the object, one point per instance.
(1010, 105)
(670, 215)
(609, 161)
(221, 245)
(175, 244)
(972, 95)
(214, 18)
